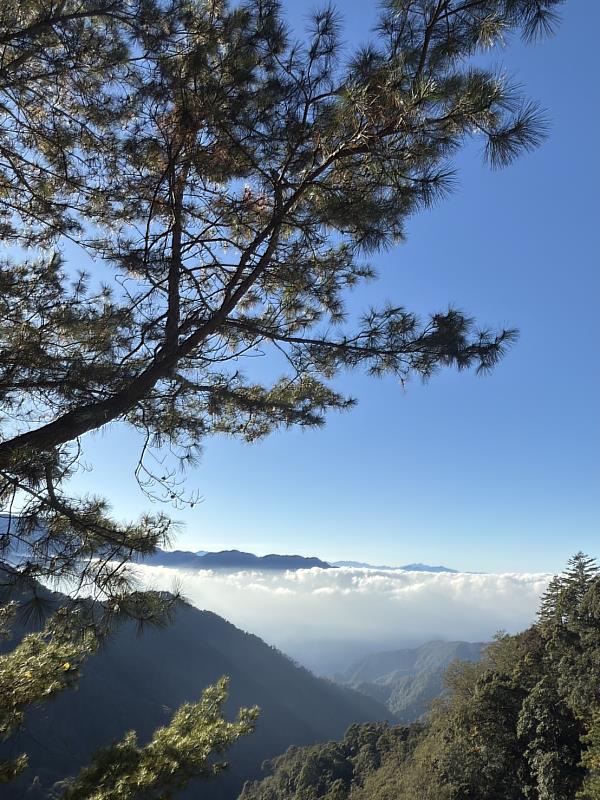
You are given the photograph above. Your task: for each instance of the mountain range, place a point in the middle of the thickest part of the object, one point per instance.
(239, 560)
(406, 567)
(407, 680)
(232, 559)
(229, 559)
(137, 682)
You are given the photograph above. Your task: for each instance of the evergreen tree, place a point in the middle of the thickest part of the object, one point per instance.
(230, 185)
(553, 749)
(36, 669)
(580, 574)
(550, 606)
(184, 749)
(570, 622)
(233, 183)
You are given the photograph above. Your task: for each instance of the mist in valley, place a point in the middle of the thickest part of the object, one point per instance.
(326, 618)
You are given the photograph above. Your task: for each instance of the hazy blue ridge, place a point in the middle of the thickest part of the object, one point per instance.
(407, 567)
(407, 680)
(237, 559)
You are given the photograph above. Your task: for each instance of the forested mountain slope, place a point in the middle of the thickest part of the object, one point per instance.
(138, 682)
(408, 680)
(521, 724)
(335, 769)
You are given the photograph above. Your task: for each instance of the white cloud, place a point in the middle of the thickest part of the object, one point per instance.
(361, 605)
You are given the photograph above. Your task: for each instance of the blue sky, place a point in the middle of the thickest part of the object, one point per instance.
(484, 474)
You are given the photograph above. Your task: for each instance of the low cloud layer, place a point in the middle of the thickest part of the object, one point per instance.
(392, 608)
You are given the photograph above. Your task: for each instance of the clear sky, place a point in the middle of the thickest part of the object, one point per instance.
(483, 474)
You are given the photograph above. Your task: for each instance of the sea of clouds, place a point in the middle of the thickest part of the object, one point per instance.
(372, 606)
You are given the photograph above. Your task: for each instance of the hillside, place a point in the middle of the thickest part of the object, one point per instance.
(408, 680)
(137, 682)
(334, 770)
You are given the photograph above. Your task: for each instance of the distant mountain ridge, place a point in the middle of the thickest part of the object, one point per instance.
(232, 559)
(238, 559)
(407, 680)
(406, 567)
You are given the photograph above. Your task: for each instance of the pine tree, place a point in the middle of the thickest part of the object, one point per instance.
(231, 186)
(55, 59)
(40, 666)
(186, 748)
(233, 182)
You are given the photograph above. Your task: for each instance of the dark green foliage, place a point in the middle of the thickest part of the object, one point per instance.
(553, 748)
(591, 761)
(481, 756)
(521, 724)
(334, 770)
(570, 620)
